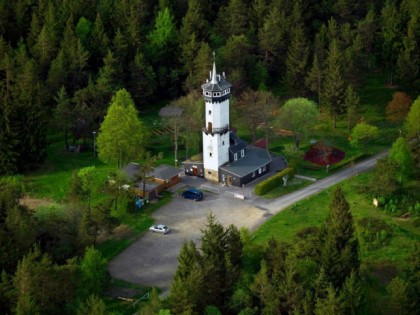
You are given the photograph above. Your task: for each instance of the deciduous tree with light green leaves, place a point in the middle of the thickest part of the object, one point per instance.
(362, 134)
(298, 115)
(400, 154)
(412, 122)
(122, 134)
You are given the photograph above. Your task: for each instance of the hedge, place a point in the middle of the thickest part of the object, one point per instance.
(274, 181)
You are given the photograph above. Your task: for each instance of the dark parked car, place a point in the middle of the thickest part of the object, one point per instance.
(192, 193)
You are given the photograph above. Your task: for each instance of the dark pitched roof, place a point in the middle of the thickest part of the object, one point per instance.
(162, 172)
(171, 111)
(235, 143)
(132, 169)
(278, 163)
(149, 186)
(217, 82)
(165, 172)
(254, 159)
(220, 85)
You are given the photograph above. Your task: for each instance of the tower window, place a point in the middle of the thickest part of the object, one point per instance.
(223, 143)
(211, 154)
(209, 112)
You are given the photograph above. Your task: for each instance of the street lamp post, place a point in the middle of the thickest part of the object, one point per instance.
(94, 143)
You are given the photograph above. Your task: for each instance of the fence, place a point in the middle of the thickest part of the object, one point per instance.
(210, 189)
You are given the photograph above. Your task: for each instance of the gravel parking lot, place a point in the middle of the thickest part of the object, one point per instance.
(152, 259)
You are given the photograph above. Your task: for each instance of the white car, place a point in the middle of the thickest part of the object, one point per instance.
(159, 228)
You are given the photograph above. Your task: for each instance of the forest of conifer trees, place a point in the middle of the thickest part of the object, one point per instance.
(61, 63)
(67, 58)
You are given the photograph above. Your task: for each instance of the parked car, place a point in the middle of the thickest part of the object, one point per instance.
(193, 193)
(159, 228)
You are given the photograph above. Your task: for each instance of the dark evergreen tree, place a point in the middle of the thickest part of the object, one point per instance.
(120, 53)
(412, 276)
(398, 302)
(409, 59)
(187, 283)
(315, 77)
(100, 42)
(237, 57)
(353, 293)
(58, 73)
(63, 114)
(390, 36)
(332, 304)
(199, 67)
(338, 254)
(213, 248)
(352, 105)
(7, 293)
(272, 38)
(142, 83)
(367, 29)
(296, 62)
(233, 18)
(28, 114)
(265, 291)
(333, 93)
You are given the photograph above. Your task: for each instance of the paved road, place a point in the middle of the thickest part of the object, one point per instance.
(279, 204)
(152, 259)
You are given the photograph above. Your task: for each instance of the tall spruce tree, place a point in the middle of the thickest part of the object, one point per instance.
(296, 62)
(408, 61)
(339, 246)
(315, 78)
(352, 101)
(213, 248)
(187, 282)
(272, 37)
(332, 304)
(390, 36)
(334, 85)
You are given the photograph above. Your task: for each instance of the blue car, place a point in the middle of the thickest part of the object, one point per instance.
(193, 193)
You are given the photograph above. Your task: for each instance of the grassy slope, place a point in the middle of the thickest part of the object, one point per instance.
(379, 264)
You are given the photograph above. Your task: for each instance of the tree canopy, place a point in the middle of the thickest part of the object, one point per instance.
(122, 134)
(298, 115)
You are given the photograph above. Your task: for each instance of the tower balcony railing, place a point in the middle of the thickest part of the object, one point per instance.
(212, 131)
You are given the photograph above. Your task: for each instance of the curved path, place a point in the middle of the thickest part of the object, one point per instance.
(281, 203)
(152, 259)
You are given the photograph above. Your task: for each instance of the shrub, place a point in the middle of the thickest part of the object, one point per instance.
(274, 181)
(375, 232)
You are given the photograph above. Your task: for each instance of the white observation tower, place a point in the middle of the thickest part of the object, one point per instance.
(216, 92)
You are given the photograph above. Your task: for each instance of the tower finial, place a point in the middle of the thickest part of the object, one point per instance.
(213, 75)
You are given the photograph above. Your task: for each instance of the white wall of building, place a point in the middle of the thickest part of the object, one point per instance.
(216, 146)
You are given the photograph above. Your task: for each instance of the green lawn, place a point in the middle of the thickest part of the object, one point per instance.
(52, 179)
(294, 184)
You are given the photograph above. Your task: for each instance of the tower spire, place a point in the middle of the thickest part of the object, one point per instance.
(213, 74)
